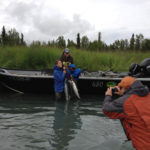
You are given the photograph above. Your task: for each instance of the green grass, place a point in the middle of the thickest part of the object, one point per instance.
(44, 57)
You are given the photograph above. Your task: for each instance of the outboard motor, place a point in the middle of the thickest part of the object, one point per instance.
(148, 68)
(145, 67)
(142, 70)
(134, 69)
(145, 62)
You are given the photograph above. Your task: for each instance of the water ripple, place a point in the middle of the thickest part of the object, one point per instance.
(39, 123)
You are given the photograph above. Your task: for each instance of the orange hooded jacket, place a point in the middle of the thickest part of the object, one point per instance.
(133, 108)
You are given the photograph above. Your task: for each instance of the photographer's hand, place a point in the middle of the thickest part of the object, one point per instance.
(109, 91)
(120, 91)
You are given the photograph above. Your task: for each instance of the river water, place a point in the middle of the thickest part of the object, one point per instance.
(38, 122)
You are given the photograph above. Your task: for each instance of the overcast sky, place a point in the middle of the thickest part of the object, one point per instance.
(47, 19)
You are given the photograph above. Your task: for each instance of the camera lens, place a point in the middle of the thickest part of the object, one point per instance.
(114, 90)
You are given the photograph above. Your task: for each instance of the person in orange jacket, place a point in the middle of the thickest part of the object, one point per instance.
(133, 110)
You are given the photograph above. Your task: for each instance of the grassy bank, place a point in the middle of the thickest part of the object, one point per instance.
(42, 57)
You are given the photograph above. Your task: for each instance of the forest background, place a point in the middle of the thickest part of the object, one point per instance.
(96, 55)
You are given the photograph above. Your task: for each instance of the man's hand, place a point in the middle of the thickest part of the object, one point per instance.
(71, 77)
(120, 91)
(64, 70)
(109, 91)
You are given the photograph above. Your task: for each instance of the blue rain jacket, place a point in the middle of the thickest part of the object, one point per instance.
(75, 74)
(59, 79)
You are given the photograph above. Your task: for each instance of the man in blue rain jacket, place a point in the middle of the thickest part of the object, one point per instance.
(73, 73)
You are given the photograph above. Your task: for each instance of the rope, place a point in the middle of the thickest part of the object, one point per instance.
(5, 85)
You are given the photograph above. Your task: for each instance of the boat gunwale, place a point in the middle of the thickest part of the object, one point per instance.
(82, 77)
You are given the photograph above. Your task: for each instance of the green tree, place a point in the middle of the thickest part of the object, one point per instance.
(78, 40)
(61, 43)
(141, 37)
(35, 43)
(0, 40)
(13, 37)
(52, 43)
(99, 37)
(146, 44)
(126, 44)
(122, 44)
(132, 42)
(71, 43)
(137, 42)
(44, 44)
(22, 42)
(116, 44)
(111, 47)
(85, 42)
(4, 36)
(95, 45)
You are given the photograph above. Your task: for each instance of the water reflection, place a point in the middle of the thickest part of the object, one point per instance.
(38, 122)
(66, 121)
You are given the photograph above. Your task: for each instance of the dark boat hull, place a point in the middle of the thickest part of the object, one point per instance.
(36, 82)
(25, 83)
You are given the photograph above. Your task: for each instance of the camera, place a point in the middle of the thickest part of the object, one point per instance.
(114, 90)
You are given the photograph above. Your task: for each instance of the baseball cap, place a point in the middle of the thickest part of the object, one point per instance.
(72, 66)
(66, 50)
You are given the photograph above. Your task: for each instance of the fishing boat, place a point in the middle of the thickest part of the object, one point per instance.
(42, 81)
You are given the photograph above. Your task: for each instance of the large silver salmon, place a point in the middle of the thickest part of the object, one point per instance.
(66, 90)
(74, 88)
